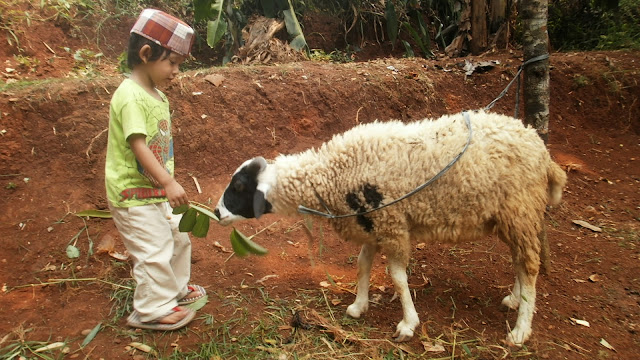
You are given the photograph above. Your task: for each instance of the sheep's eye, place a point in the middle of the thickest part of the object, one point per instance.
(238, 186)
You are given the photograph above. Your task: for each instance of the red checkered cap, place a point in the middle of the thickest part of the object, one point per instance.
(166, 30)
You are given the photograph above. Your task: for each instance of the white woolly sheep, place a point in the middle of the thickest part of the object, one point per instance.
(501, 184)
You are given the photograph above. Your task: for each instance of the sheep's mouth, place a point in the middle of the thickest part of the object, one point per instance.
(227, 218)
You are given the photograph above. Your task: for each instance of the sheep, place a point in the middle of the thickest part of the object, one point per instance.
(501, 184)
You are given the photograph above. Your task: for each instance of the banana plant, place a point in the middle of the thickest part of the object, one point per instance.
(414, 25)
(298, 41)
(222, 22)
(225, 21)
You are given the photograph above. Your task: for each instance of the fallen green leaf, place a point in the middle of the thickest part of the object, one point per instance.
(72, 252)
(105, 214)
(466, 349)
(606, 344)
(198, 304)
(143, 347)
(91, 335)
(52, 346)
(330, 279)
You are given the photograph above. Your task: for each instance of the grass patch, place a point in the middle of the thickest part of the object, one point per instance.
(25, 84)
(18, 347)
(581, 80)
(628, 238)
(122, 299)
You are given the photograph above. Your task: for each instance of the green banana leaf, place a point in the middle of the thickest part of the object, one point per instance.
(218, 27)
(392, 22)
(294, 29)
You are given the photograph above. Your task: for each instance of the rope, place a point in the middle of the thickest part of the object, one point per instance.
(517, 77)
(329, 215)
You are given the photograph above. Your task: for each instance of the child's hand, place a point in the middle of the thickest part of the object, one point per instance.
(176, 194)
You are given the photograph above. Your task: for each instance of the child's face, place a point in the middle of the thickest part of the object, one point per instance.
(163, 70)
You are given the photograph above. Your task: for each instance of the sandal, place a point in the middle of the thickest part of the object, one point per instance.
(191, 300)
(134, 320)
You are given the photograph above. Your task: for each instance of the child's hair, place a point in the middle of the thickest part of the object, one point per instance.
(136, 42)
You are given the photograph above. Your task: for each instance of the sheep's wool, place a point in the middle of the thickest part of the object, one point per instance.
(503, 159)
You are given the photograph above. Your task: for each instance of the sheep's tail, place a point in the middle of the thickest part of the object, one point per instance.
(556, 179)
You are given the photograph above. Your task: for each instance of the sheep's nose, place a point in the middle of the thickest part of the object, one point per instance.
(216, 212)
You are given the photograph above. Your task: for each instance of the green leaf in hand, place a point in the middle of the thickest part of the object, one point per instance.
(181, 209)
(188, 220)
(201, 228)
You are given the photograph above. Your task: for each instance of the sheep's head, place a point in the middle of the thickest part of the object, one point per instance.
(244, 197)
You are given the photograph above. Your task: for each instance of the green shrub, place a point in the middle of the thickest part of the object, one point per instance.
(594, 24)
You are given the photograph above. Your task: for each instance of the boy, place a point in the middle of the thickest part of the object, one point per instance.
(141, 189)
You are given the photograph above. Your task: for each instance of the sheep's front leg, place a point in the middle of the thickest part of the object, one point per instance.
(365, 259)
(410, 320)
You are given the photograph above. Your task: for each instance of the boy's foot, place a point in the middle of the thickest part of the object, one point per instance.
(177, 318)
(195, 293)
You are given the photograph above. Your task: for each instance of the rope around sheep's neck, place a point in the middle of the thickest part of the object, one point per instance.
(329, 215)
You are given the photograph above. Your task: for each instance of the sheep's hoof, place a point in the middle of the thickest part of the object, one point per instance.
(517, 337)
(403, 333)
(356, 311)
(511, 302)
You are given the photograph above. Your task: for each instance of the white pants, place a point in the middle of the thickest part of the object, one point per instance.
(161, 256)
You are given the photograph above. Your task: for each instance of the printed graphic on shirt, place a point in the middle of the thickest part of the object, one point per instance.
(142, 193)
(161, 145)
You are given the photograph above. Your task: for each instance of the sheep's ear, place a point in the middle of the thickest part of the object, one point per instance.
(257, 165)
(259, 204)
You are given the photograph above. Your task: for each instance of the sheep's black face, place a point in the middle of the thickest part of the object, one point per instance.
(241, 198)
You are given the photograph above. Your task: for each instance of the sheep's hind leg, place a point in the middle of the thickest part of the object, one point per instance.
(512, 301)
(365, 259)
(525, 254)
(410, 320)
(522, 330)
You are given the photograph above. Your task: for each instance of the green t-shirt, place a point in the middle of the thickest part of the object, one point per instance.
(134, 111)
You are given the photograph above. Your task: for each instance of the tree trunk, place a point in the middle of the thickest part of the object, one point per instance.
(478, 26)
(535, 42)
(497, 14)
